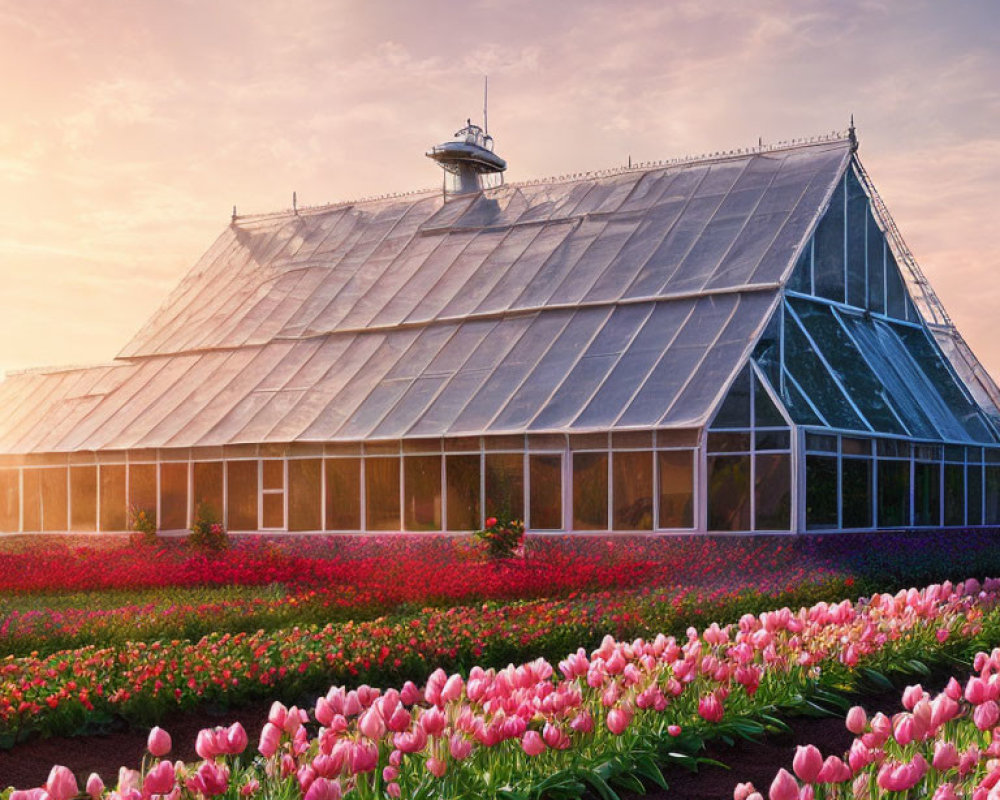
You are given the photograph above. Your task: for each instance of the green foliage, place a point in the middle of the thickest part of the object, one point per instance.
(207, 532)
(502, 536)
(142, 523)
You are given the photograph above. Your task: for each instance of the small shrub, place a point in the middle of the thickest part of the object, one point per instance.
(207, 533)
(504, 538)
(142, 523)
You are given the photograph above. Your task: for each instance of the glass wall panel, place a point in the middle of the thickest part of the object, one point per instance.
(676, 488)
(173, 496)
(422, 493)
(142, 489)
(632, 490)
(735, 409)
(114, 502)
(992, 516)
(857, 213)
(546, 492)
(893, 493)
(801, 279)
(343, 494)
(974, 486)
(504, 485)
(926, 494)
(241, 495)
(10, 506)
(273, 474)
(766, 413)
(83, 498)
(895, 298)
(773, 492)
(876, 267)
(206, 498)
(462, 476)
(856, 476)
(821, 492)
(954, 494)
(305, 494)
(828, 255)
(55, 507)
(729, 493)
(382, 494)
(273, 510)
(32, 498)
(590, 491)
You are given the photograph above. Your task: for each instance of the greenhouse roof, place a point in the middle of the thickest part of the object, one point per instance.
(624, 300)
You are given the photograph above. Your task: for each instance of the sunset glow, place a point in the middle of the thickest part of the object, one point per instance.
(130, 130)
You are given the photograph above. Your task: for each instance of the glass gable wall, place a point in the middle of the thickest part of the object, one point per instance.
(893, 439)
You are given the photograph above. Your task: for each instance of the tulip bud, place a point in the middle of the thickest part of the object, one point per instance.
(158, 743)
(783, 787)
(95, 786)
(807, 763)
(61, 784)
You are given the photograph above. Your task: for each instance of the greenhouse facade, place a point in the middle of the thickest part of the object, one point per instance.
(735, 343)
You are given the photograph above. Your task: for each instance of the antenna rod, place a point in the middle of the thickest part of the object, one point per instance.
(486, 95)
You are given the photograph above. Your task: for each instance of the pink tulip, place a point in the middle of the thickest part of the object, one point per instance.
(856, 720)
(459, 747)
(986, 715)
(743, 791)
(270, 738)
(582, 722)
(393, 790)
(452, 689)
(158, 743)
(618, 720)
(710, 709)
(324, 789)
(783, 787)
(235, 739)
(410, 694)
(945, 756)
(210, 779)
(432, 720)
(532, 743)
(29, 794)
(61, 785)
(371, 723)
(911, 696)
(205, 745)
(278, 714)
(410, 741)
(945, 792)
(95, 786)
(160, 779)
(437, 767)
(250, 788)
(807, 763)
(834, 771)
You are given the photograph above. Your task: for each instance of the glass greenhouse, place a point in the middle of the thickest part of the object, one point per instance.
(735, 343)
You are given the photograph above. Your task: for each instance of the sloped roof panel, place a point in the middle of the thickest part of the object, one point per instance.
(622, 300)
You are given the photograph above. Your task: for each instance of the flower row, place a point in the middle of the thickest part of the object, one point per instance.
(943, 746)
(591, 718)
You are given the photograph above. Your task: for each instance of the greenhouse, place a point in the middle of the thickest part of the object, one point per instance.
(738, 342)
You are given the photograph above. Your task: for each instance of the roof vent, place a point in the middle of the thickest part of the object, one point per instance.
(469, 161)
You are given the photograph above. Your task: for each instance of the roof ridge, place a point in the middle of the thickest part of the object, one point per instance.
(640, 166)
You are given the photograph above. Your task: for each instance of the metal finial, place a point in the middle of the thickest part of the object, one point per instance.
(852, 135)
(295, 203)
(486, 96)
(234, 213)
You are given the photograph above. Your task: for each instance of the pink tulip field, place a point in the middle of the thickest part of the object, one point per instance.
(632, 654)
(597, 720)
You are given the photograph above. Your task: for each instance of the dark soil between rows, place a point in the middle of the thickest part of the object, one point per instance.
(29, 763)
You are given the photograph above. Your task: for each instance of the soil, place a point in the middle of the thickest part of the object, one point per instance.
(29, 763)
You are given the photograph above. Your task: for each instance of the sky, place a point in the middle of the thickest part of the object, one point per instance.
(129, 130)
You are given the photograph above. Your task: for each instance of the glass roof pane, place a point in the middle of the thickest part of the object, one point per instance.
(805, 366)
(857, 378)
(912, 394)
(636, 363)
